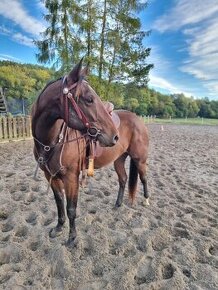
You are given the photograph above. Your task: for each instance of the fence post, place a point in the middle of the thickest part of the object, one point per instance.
(23, 127)
(1, 131)
(10, 135)
(19, 129)
(14, 126)
(28, 126)
(5, 131)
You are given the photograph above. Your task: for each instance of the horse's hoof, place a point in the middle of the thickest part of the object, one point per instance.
(70, 244)
(146, 202)
(117, 205)
(55, 233)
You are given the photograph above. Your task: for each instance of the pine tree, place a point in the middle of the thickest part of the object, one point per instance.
(122, 53)
(60, 44)
(108, 32)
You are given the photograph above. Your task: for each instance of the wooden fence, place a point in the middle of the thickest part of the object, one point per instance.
(15, 128)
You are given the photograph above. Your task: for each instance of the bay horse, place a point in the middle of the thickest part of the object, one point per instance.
(67, 116)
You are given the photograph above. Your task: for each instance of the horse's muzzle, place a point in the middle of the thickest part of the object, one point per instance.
(105, 141)
(115, 139)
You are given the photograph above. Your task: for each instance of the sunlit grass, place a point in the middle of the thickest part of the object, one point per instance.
(182, 121)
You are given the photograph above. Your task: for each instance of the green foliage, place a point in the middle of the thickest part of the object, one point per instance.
(113, 92)
(60, 43)
(108, 32)
(22, 82)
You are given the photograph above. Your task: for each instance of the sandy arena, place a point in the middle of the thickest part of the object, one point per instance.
(172, 244)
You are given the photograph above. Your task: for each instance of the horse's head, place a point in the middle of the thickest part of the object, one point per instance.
(73, 100)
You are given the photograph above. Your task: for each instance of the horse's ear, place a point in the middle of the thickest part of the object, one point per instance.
(85, 71)
(74, 75)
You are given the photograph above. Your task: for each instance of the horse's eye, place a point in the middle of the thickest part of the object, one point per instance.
(89, 100)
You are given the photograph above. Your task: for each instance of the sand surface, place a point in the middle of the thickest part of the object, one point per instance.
(172, 244)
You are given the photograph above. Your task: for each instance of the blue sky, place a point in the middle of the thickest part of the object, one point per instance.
(183, 39)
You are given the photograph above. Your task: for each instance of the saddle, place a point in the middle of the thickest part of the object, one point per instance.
(110, 109)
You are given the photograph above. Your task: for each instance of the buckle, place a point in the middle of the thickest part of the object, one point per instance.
(93, 132)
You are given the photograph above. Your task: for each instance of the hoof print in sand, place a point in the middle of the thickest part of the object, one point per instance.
(32, 218)
(7, 227)
(22, 231)
(168, 271)
(213, 250)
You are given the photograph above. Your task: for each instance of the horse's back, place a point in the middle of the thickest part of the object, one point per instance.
(133, 139)
(131, 121)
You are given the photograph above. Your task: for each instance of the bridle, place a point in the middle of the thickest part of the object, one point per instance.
(92, 132)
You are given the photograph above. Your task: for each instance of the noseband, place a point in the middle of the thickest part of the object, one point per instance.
(93, 132)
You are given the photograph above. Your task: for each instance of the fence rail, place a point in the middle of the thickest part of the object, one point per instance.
(15, 128)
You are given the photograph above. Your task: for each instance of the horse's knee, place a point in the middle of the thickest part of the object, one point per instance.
(123, 181)
(59, 197)
(71, 213)
(61, 220)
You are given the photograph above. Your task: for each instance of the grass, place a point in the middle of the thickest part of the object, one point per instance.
(183, 121)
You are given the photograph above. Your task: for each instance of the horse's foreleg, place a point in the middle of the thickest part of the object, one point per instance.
(71, 190)
(71, 213)
(59, 198)
(122, 176)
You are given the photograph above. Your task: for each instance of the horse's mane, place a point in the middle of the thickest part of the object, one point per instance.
(35, 105)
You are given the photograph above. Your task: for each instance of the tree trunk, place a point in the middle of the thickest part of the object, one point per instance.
(89, 47)
(102, 41)
(66, 40)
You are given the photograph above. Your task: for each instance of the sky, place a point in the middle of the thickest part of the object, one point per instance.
(183, 41)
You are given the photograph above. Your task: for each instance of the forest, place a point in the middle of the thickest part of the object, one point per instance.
(23, 82)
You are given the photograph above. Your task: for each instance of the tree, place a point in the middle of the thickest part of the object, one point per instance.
(181, 104)
(60, 44)
(124, 57)
(193, 108)
(23, 83)
(106, 31)
(208, 109)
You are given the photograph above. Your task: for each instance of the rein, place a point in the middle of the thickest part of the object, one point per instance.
(48, 148)
(93, 132)
(41, 160)
(68, 96)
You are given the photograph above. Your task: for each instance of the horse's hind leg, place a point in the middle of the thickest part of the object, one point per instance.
(141, 165)
(122, 176)
(57, 188)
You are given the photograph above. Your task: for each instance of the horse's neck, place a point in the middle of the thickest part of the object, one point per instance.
(46, 128)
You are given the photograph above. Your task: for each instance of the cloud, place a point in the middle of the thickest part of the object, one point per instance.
(4, 30)
(41, 6)
(161, 83)
(202, 61)
(161, 67)
(9, 57)
(198, 21)
(186, 12)
(22, 39)
(14, 11)
(18, 37)
(159, 60)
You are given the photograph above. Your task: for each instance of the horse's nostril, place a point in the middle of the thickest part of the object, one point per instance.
(115, 139)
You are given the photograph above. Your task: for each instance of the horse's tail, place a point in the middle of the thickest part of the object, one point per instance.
(133, 178)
